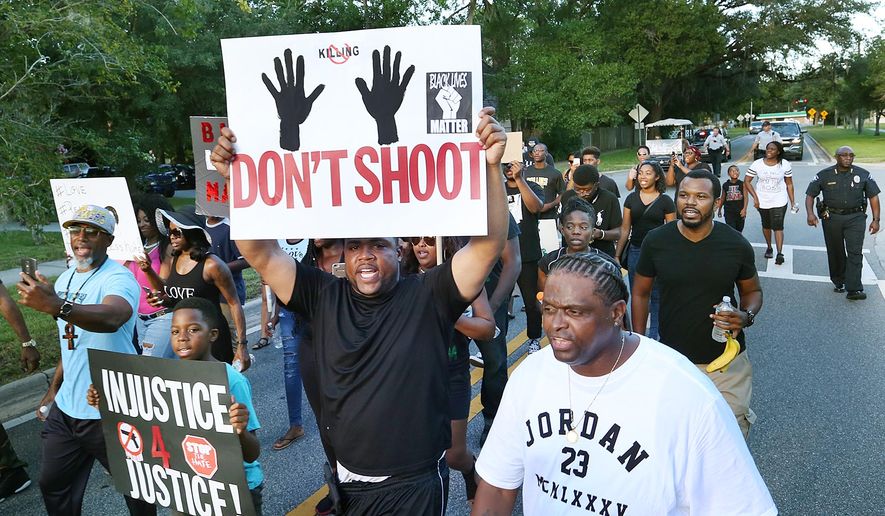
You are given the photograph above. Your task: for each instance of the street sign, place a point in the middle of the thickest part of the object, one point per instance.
(823, 114)
(811, 112)
(639, 125)
(741, 118)
(638, 113)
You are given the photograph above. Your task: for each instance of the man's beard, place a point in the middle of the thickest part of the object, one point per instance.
(84, 263)
(694, 225)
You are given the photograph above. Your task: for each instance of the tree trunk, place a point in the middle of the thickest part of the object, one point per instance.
(878, 116)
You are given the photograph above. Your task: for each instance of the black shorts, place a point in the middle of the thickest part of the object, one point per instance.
(773, 218)
(459, 393)
(423, 493)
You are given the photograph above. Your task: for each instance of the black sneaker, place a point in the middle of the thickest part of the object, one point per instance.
(779, 260)
(857, 295)
(13, 481)
(476, 360)
(325, 507)
(839, 288)
(769, 253)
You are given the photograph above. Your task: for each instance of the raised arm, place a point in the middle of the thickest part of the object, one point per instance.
(265, 256)
(472, 263)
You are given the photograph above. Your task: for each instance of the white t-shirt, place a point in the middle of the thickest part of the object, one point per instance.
(658, 440)
(770, 185)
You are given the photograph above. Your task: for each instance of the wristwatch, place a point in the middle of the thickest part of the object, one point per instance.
(751, 317)
(65, 309)
(29, 344)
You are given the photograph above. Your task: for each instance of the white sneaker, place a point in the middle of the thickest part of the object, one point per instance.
(476, 360)
(534, 346)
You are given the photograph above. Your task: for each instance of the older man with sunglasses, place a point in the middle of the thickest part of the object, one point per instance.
(95, 303)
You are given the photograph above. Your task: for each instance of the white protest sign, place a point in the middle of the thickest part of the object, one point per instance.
(70, 194)
(356, 134)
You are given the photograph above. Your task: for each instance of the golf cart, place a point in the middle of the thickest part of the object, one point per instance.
(674, 134)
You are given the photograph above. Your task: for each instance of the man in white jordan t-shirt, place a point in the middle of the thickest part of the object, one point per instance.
(604, 421)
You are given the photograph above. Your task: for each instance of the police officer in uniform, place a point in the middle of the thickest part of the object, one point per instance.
(845, 189)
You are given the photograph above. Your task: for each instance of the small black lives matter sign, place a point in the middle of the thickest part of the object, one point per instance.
(449, 102)
(168, 435)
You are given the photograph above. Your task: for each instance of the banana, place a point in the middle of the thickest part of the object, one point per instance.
(732, 348)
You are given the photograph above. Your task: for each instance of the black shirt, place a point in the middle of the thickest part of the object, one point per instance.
(495, 275)
(548, 259)
(693, 277)
(680, 175)
(607, 183)
(734, 195)
(382, 367)
(553, 184)
(646, 217)
(529, 242)
(843, 190)
(608, 216)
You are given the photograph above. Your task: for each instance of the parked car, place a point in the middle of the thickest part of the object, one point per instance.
(161, 181)
(755, 126)
(185, 177)
(792, 138)
(104, 171)
(75, 169)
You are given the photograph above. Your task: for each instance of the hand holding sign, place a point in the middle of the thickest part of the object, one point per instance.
(492, 136)
(387, 93)
(223, 153)
(292, 106)
(239, 416)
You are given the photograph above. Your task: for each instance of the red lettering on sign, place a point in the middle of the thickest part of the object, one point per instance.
(414, 173)
(247, 195)
(335, 158)
(206, 129)
(212, 192)
(301, 180)
(158, 447)
(444, 190)
(473, 149)
(265, 178)
(367, 174)
(400, 175)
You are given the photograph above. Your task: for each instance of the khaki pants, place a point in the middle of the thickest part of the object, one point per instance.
(736, 386)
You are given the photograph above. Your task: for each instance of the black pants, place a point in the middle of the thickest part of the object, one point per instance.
(423, 494)
(843, 236)
(8, 458)
(494, 372)
(70, 447)
(716, 157)
(528, 289)
(734, 219)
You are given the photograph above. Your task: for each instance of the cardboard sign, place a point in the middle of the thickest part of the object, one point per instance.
(513, 149)
(356, 134)
(167, 433)
(210, 187)
(70, 194)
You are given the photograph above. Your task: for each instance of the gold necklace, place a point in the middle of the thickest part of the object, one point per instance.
(572, 435)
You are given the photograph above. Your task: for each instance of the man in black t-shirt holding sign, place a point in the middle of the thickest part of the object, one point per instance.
(380, 342)
(679, 258)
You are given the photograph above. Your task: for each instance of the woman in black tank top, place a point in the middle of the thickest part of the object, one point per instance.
(191, 271)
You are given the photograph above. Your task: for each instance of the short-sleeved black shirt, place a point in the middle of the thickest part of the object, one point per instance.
(843, 190)
(382, 367)
(608, 216)
(647, 217)
(553, 184)
(693, 277)
(607, 183)
(548, 259)
(734, 195)
(529, 241)
(495, 275)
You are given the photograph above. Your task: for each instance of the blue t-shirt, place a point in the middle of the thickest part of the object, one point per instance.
(225, 248)
(241, 390)
(111, 279)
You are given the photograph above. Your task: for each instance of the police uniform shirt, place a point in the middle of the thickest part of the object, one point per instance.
(714, 142)
(764, 138)
(843, 190)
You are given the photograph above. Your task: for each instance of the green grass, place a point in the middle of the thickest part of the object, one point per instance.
(180, 202)
(43, 330)
(253, 283)
(620, 159)
(15, 245)
(735, 132)
(867, 147)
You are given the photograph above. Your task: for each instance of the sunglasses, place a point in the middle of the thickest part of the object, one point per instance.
(642, 154)
(175, 233)
(429, 241)
(85, 230)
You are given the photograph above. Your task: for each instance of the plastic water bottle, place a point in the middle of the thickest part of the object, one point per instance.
(238, 364)
(719, 334)
(277, 338)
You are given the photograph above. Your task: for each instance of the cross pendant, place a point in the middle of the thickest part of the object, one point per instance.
(70, 335)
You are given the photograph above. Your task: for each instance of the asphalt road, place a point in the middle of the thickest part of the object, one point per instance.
(818, 364)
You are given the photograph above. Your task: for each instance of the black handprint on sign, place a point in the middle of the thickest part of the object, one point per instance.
(292, 106)
(387, 93)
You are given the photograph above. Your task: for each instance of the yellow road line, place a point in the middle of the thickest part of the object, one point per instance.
(307, 507)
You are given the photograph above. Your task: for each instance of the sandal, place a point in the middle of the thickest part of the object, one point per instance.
(284, 442)
(262, 342)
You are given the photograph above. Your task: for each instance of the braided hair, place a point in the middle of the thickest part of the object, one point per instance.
(601, 269)
(578, 204)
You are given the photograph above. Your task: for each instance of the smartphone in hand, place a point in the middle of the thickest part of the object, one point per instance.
(29, 267)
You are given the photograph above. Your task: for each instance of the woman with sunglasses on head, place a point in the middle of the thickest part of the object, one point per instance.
(192, 271)
(476, 323)
(642, 154)
(153, 322)
(645, 209)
